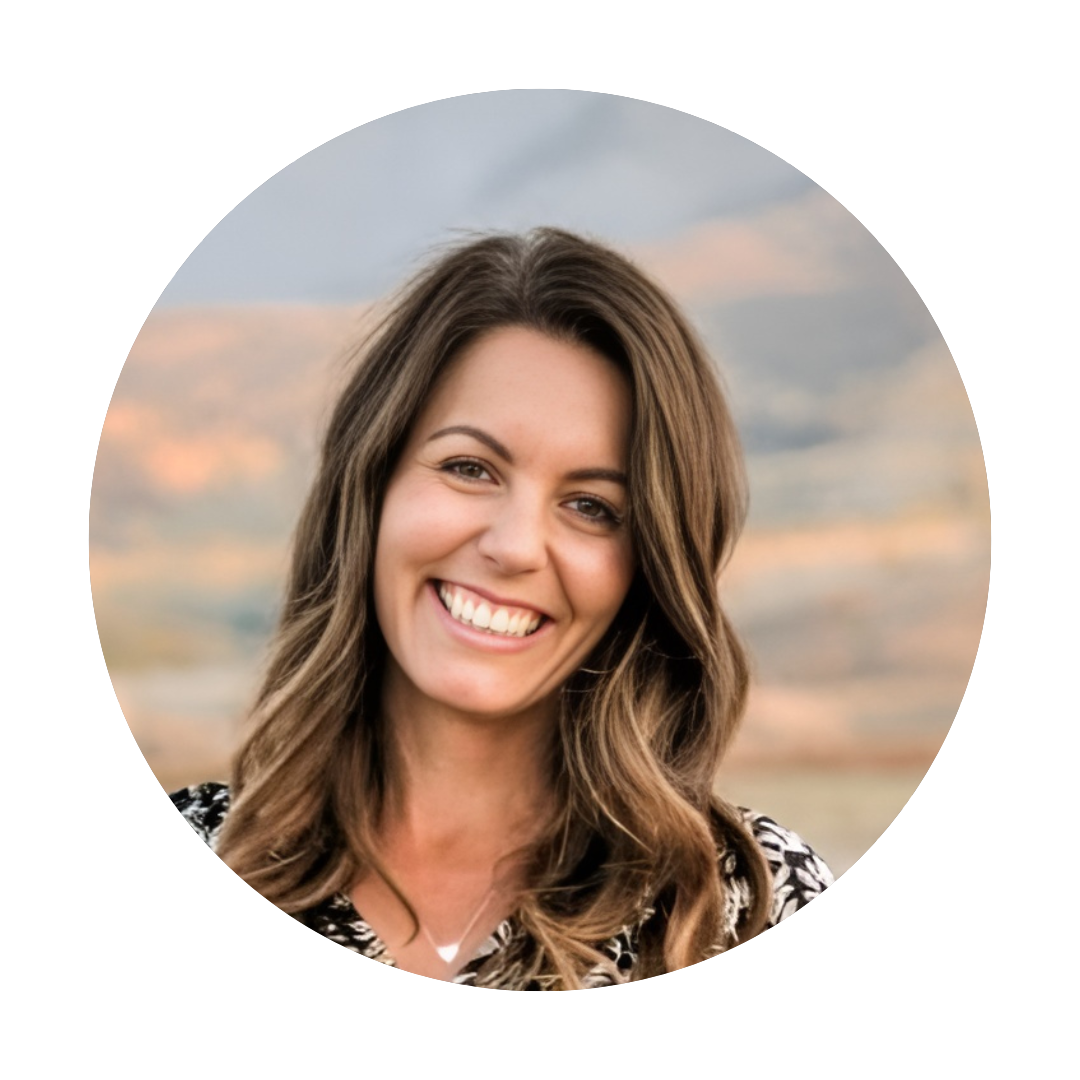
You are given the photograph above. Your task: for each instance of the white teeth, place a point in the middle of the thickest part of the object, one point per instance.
(482, 617)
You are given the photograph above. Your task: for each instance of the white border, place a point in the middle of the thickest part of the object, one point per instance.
(135, 128)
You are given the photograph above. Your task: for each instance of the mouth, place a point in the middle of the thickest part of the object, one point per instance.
(480, 613)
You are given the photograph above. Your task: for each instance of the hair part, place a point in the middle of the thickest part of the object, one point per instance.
(645, 722)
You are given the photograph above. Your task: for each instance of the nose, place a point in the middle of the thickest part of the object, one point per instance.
(515, 537)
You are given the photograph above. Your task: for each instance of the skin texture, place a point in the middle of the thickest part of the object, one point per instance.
(524, 507)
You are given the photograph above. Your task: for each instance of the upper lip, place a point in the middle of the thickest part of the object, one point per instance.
(501, 601)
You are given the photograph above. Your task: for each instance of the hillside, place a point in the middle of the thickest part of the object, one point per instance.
(859, 586)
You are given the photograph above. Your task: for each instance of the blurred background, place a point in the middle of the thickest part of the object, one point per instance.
(860, 584)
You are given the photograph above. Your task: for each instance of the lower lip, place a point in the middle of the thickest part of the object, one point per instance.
(480, 639)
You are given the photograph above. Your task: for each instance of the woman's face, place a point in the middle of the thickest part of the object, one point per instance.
(502, 554)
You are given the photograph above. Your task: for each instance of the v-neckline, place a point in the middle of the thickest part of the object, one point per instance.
(490, 944)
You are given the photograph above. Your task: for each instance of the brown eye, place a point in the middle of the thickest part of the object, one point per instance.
(466, 469)
(594, 510)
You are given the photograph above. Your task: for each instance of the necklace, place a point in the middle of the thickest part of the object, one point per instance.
(448, 953)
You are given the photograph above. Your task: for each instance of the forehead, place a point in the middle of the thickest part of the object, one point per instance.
(520, 385)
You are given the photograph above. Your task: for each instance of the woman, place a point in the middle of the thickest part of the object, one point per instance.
(502, 682)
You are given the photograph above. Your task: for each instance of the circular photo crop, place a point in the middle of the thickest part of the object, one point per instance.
(539, 540)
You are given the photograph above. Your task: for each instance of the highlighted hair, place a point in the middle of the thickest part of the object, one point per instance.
(646, 721)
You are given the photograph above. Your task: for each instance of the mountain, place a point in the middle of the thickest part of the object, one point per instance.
(860, 584)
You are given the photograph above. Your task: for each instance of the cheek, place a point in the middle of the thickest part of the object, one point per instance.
(398, 547)
(602, 580)
(420, 523)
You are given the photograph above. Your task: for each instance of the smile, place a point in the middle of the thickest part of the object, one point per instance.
(480, 613)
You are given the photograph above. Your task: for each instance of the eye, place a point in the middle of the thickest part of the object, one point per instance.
(595, 510)
(466, 469)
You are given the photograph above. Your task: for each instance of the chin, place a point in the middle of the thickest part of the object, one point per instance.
(476, 696)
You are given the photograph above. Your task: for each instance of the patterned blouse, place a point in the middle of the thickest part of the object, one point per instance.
(798, 876)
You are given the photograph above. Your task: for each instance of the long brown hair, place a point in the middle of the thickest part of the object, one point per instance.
(643, 724)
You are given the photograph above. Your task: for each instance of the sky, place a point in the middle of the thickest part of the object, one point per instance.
(352, 217)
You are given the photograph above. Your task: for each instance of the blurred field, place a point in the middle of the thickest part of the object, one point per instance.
(860, 584)
(840, 812)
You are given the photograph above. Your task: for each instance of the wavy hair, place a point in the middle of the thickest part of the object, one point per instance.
(643, 725)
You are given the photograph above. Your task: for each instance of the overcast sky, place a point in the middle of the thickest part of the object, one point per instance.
(351, 218)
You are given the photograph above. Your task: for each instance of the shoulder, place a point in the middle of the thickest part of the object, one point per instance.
(204, 807)
(799, 873)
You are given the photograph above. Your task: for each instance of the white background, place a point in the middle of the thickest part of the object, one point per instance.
(130, 130)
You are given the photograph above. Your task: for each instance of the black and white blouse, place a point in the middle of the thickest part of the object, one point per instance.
(799, 875)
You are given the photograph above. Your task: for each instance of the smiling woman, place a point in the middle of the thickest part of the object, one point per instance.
(507, 506)
(486, 747)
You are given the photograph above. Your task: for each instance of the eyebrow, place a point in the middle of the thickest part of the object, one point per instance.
(480, 436)
(612, 475)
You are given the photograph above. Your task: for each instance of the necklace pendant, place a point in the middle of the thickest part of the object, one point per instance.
(448, 952)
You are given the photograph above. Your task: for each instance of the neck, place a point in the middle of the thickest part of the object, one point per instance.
(472, 788)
